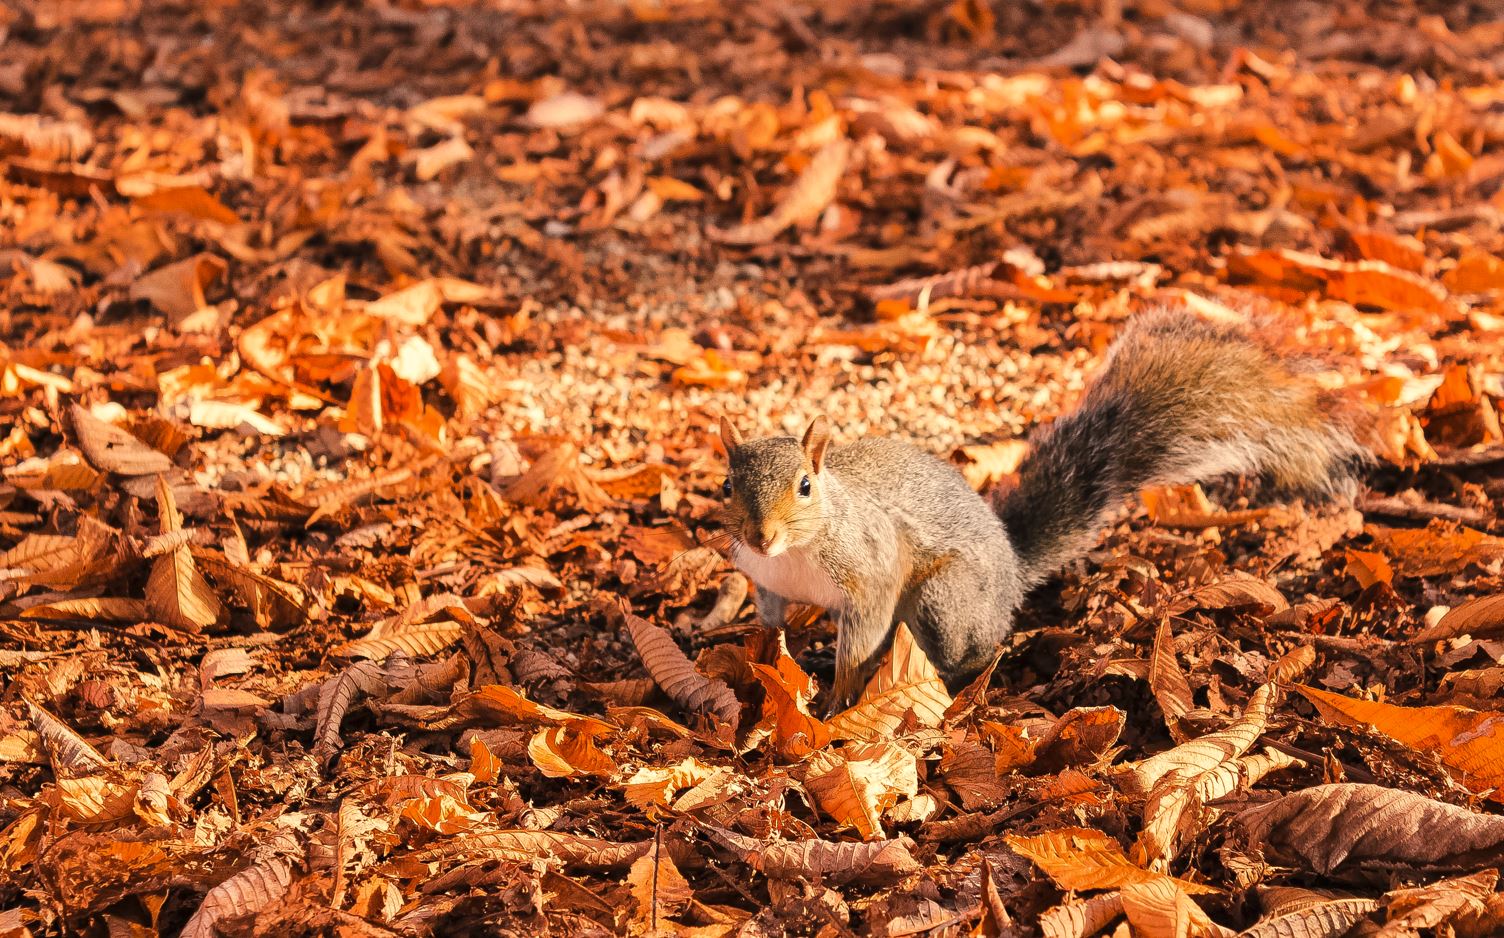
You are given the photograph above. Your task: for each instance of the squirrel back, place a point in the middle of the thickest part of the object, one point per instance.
(1179, 400)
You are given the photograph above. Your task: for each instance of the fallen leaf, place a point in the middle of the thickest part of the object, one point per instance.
(1470, 743)
(677, 676)
(1337, 830)
(1084, 859)
(803, 201)
(858, 783)
(1206, 752)
(178, 289)
(905, 686)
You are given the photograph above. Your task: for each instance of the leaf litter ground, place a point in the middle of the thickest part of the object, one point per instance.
(359, 571)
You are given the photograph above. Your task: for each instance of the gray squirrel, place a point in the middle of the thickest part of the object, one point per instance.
(879, 532)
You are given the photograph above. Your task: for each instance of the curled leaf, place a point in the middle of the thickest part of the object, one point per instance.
(1346, 826)
(677, 675)
(1206, 752)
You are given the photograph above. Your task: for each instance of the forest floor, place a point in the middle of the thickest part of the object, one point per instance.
(359, 374)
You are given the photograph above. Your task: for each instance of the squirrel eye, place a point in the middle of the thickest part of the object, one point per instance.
(804, 487)
(726, 488)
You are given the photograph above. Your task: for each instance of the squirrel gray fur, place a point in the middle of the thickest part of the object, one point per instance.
(880, 532)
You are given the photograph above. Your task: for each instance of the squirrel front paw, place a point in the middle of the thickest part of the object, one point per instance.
(843, 696)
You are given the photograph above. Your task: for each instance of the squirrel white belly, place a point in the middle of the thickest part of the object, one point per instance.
(793, 574)
(878, 530)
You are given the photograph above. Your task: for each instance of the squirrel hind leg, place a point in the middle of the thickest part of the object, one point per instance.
(961, 614)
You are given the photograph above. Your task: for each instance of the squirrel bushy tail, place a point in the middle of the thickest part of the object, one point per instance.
(1179, 400)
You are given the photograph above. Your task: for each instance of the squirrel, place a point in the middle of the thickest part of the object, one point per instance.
(880, 532)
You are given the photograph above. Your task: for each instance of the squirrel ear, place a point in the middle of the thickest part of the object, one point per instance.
(730, 438)
(815, 439)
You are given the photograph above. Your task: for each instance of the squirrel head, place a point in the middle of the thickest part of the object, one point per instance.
(775, 488)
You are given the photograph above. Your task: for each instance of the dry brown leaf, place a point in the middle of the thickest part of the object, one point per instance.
(660, 786)
(1470, 743)
(1368, 567)
(1417, 911)
(106, 608)
(274, 603)
(111, 449)
(1084, 859)
(972, 772)
(1331, 918)
(1480, 618)
(194, 201)
(1082, 736)
(1297, 661)
(803, 201)
(1159, 908)
(443, 813)
(338, 694)
(245, 893)
(566, 752)
(1167, 680)
(1241, 773)
(1186, 506)
(1081, 919)
(1439, 549)
(1338, 829)
(176, 593)
(906, 686)
(787, 692)
(875, 862)
(68, 751)
(494, 701)
(471, 386)
(1171, 818)
(94, 800)
(1204, 753)
(658, 890)
(52, 559)
(1476, 272)
(856, 784)
(424, 628)
(1361, 283)
(525, 846)
(178, 289)
(395, 789)
(1236, 591)
(677, 676)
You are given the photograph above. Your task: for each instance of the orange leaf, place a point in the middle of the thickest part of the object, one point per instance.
(564, 752)
(801, 202)
(1083, 859)
(1476, 272)
(187, 200)
(1468, 742)
(858, 783)
(1369, 567)
(787, 693)
(1439, 549)
(1161, 909)
(178, 289)
(905, 684)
